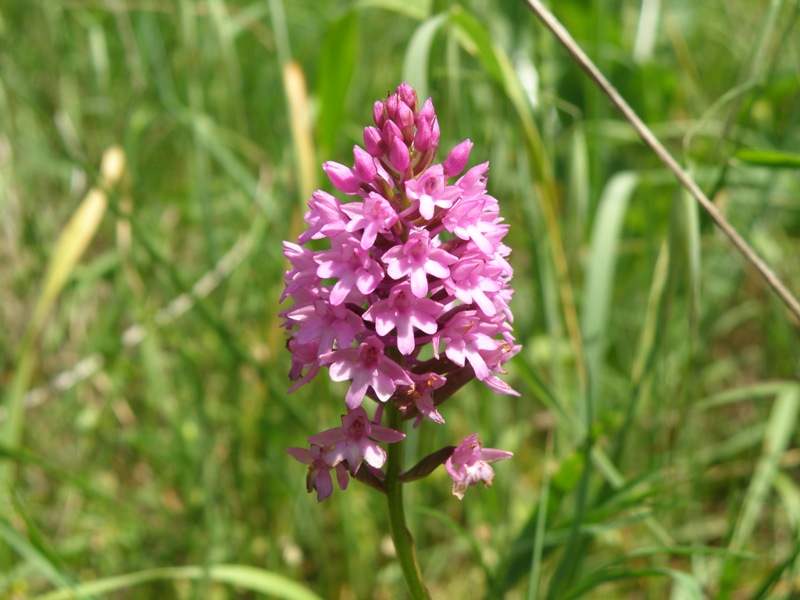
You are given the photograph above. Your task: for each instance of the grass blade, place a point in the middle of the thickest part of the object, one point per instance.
(249, 578)
(417, 57)
(777, 437)
(600, 267)
(335, 72)
(66, 253)
(769, 277)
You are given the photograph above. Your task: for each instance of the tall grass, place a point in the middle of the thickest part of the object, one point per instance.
(145, 415)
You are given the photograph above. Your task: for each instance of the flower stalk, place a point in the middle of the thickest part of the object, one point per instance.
(401, 536)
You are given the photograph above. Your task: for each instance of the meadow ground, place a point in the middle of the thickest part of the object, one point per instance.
(143, 374)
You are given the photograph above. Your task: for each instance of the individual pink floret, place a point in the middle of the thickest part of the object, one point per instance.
(303, 275)
(422, 393)
(355, 441)
(418, 258)
(466, 337)
(468, 220)
(471, 279)
(319, 472)
(404, 311)
(469, 464)
(352, 265)
(375, 215)
(366, 367)
(430, 190)
(326, 323)
(304, 356)
(324, 217)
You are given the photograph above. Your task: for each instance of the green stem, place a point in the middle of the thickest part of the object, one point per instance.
(401, 536)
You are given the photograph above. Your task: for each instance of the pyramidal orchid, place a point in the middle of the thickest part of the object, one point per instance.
(404, 297)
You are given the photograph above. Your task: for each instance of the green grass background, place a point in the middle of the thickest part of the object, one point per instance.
(145, 418)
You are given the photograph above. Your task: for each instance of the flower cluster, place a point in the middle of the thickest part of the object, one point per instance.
(407, 299)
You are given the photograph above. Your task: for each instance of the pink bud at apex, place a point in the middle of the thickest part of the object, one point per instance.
(400, 290)
(408, 96)
(469, 464)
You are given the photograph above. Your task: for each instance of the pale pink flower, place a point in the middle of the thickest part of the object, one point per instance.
(304, 356)
(326, 323)
(355, 441)
(418, 258)
(324, 217)
(366, 367)
(422, 394)
(319, 472)
(403, 311)
(468, 220)
(303, 274)
(471, 279)
(467, 336)
(469, 464)
(430, 190)
(374, 216)
(352, 265)
(474, 181)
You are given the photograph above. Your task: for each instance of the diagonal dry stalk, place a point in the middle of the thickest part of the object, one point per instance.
(663, 154)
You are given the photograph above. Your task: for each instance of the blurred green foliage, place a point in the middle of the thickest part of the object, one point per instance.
(658, 375)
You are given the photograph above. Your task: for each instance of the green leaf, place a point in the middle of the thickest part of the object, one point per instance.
(769, 158)
(476, 36)
(337, 63)
(416, 61)
(249, 578)
(691, 588)
(36, 558)
(777, 437)
(414, 9)
(601, 264)
(569, 473)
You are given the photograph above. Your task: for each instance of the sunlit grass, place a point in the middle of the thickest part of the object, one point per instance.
(655, 364)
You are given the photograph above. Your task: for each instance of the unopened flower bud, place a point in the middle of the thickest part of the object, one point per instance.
(427, 112)
(422, 139)
(405, 121)
(373, 140)
(457, 159)
(364, 166)
(341, 177)
(391, 107)
(408, 96)
(379, 113)
(398, 155)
